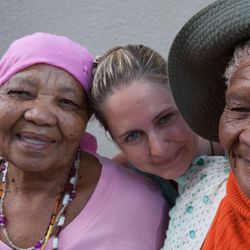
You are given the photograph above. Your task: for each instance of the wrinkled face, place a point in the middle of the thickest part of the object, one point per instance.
(235, 126)
(43, 116)
(147, 126)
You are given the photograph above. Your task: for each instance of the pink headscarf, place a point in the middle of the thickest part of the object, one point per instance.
(54, 50)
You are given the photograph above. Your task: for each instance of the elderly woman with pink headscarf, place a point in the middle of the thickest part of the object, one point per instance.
(56, 192)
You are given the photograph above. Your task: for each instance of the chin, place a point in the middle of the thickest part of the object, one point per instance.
(172, 176)
(241, 170)
(181, 171)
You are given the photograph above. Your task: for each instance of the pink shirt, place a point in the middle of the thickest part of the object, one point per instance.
(125, 212)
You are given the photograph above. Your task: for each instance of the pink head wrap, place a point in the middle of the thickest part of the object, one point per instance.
(54, 50)
(51, 49)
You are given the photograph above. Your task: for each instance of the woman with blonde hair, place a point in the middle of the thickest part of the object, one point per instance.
(132, 99)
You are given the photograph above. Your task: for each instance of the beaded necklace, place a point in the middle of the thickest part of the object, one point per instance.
(58, 216)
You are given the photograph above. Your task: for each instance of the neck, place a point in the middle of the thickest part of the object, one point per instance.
(51, 181)
(40, 185)
(203, 147)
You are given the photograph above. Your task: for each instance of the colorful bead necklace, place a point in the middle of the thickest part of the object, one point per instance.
(58, 216)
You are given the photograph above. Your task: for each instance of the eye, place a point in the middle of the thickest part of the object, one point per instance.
(19, 94)
(241, 109)
(166, 118)
(67, 103)
(133, 136)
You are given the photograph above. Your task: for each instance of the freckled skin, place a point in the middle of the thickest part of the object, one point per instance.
(235, 126)
(44, 108)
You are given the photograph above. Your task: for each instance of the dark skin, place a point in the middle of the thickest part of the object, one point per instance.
(22, 208)
(235, 125)
(43, 117)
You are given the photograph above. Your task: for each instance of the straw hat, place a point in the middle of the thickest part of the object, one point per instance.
(198, 58)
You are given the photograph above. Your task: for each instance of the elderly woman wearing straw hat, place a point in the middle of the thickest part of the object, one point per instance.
(209, 73)
(55, 195)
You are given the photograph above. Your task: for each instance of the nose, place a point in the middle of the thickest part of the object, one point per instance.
(41, 113)
(245, 137)
(156, 145)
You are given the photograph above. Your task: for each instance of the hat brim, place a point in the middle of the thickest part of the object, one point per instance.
(198, 58)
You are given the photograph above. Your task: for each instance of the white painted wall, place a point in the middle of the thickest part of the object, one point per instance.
(99, 25)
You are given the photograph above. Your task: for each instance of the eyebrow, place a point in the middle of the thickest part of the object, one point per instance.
(237, 96)
(66, 90)
(162, 113)
(32, 83)
(154, 120)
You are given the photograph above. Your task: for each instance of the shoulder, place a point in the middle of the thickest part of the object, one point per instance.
(208, 164)
(208, 171)
(202, 190)
(134, 193)
(168, 187)
(204, 181)
(139, 199)
(131, 183)
(202, 168)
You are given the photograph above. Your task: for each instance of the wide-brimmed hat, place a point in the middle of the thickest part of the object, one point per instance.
(198, 58)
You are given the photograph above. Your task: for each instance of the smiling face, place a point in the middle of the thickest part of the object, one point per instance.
(43, 116)
(235, 125)
(145, 123)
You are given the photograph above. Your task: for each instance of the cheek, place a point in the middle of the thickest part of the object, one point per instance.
(73, 127)
(233, 132)
(7, 108)
(229, 131)
(188, 139)
(181, 132)
(135, 154)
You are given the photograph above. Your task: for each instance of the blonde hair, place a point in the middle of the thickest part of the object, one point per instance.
(120, 67)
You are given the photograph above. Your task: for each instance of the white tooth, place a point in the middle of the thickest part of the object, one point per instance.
(34, 141)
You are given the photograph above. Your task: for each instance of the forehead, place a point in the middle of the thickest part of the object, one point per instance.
(137, 102)
(243, 70)
(47, 75)
(137, 106)
(140, 91)
(240, 81)
(242, 75)
(42, 69)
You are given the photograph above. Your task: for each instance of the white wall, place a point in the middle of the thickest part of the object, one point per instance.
(99, 25)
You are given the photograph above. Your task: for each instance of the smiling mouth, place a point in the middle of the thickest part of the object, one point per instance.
(168, 160)
(35, 140)
(236, 157)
